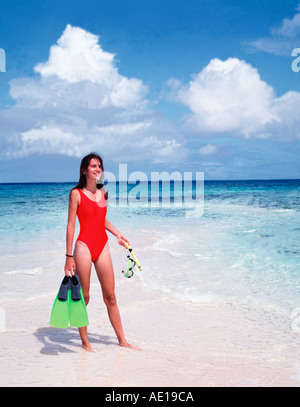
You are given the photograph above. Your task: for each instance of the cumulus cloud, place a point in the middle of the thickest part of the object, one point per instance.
(77, 102)
(78, 57)
(282, 39)
(230, 97)
(78, 73)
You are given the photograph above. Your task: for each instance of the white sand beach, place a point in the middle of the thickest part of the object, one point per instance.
(200, 319)
(183, 344)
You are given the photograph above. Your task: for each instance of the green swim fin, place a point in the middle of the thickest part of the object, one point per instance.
(69, 305)
(77, 308)
(77, 311)
(60, 313)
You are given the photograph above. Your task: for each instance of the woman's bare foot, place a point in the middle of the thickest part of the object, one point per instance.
(127, 345)
(87, 347)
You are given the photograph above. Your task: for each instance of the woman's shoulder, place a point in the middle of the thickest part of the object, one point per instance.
(104, 193)
(75, 194)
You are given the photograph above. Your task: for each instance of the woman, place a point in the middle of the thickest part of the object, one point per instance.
(88, 202)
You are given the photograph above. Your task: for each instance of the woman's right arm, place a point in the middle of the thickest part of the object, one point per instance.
(74, 201)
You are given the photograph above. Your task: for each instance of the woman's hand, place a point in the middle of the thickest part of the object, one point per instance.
(122, 239)
(70, 266)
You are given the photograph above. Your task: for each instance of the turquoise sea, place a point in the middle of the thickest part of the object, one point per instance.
(239, 245)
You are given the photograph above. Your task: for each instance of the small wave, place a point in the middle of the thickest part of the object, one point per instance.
(48, 294)
(172, 253)
(160, 245)
(29, 272)
(284, 210)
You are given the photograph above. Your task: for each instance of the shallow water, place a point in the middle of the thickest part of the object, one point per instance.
(240, 245)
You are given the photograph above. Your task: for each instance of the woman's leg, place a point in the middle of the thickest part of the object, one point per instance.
(83, 264)
(105, 273)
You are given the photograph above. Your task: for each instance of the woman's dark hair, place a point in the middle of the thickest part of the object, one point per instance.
(82, 177)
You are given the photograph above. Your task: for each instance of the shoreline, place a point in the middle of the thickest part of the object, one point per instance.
(183, 345)
(207, 310)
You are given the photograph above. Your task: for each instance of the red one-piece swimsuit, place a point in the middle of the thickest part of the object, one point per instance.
(91, 216)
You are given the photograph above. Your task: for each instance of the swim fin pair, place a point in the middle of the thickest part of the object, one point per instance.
(69, 306)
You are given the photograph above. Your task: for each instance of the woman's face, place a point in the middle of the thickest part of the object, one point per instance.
(94, 169)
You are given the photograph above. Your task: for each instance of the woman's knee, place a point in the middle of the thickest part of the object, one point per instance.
(86, 297)
(110, 299)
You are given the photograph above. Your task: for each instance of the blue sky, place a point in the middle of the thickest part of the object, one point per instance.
(190, 85)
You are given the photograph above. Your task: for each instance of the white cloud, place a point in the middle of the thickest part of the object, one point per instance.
(51, 139)
(209, 149)
(282, 39)
(79, 102)
(290, 27)
(124, 130)
(286, 108)
(228, 96)
(78, 68)
(76, 57)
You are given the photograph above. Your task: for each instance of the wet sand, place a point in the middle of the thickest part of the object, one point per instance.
(184, 344)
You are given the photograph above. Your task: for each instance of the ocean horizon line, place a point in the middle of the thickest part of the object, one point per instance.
(151, 181)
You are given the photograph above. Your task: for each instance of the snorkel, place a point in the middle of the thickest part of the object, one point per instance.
(131, 262)
(130, 265)
(133, 255)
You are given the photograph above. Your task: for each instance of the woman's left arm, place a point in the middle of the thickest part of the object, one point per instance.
(116, 232)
